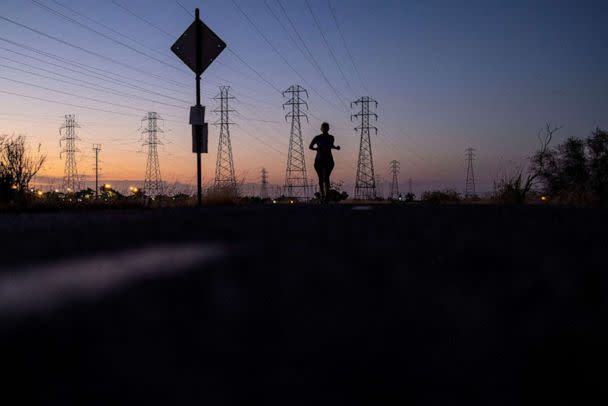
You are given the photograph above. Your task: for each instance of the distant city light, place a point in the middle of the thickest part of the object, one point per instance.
(40, 193)
(107, 186)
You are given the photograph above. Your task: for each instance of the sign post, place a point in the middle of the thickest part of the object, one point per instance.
(197, 47)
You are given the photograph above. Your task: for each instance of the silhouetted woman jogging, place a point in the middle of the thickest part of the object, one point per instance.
(324, 161)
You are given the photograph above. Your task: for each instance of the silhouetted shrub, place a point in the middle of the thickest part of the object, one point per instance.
(512, 188)
(440, 196)
(333, 196)
(221, 196)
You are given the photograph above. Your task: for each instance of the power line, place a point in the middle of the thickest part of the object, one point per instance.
(267, 40)
(90, 85)
(185, 9)
(233, 52)
(308, 57)
(87, 68)
(327, 43)
(142, 19)
(98, 55)
(253, 70)
(278, 20)
(73, 105)
(261, 141)
(107, 27)
(255, 119)
(316, 63)
(71, 94)
(70, 19)
(350, 55)
(236, 55)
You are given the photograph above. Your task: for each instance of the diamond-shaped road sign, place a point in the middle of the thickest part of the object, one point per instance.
(210, 46)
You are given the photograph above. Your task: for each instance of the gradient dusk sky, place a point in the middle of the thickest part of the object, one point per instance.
(447, 75)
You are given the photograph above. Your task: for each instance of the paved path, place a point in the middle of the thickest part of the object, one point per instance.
(305, 305)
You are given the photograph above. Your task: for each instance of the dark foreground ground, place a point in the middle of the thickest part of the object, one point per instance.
(305, 306)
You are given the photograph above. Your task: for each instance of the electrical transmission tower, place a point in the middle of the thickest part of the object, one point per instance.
(365, 185)
(96, 149)
(224, 167)
(395, 166)
(71, 181)
(153, 185)
(296, 182)
(264, 187)
(469, 189)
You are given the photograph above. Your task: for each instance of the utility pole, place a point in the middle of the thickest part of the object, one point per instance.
(224, 168)
(469, 189)
(395, 167)
(71, 181)
(96, 149)
(365, 184)
(153, 185)
(296, 182)
(264, 187)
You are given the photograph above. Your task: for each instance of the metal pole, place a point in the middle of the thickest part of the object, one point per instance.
(199, 177)
(96, 173)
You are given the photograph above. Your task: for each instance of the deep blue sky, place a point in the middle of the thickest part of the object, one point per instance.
(447, 75)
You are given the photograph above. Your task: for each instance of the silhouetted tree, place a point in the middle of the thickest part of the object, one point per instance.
(516, 186)
(576, 170)
(17, 166)
(564, 174)
(6, 181)
(597, 146)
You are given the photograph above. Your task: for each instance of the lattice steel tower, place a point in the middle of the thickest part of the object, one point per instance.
(264, 187)
(153, 185)
(365, 184)
(395, 167)
(296, 182)
(71, 180)
(224, 167)
(469, 188)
